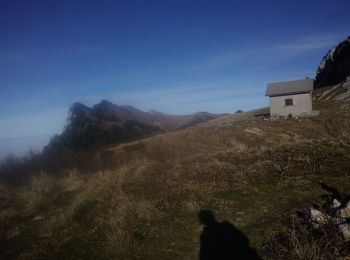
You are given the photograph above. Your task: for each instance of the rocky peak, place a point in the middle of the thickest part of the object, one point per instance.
(78, 108)
(104, 104)
(106, 110)
(77, 115)
(335, 65)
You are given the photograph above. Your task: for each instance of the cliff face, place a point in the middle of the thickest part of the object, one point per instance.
(335, 66)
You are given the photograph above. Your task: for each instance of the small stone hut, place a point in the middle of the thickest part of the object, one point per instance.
(290, 98)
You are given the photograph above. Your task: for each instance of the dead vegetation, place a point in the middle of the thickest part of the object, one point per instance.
(294, 240)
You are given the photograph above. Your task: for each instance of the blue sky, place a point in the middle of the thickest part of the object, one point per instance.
(173, 56)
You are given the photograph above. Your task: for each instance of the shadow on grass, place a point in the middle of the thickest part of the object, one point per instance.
(222, 240)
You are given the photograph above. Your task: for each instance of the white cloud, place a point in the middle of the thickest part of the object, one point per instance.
(269, 54)
(310, 43)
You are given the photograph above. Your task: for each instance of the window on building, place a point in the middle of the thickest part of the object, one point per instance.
(288, 102)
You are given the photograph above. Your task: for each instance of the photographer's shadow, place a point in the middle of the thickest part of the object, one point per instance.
(222, 240)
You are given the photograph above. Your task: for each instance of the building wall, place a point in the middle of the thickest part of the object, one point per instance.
(302, 105)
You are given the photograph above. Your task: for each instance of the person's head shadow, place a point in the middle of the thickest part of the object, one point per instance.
(222, 240)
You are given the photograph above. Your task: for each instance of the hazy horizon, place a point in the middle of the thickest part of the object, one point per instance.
(19, 146)
(174, 57)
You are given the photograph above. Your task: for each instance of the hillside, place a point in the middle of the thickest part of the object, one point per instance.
(137, 194)
(339, 92)
(253, 172)
(106, 123)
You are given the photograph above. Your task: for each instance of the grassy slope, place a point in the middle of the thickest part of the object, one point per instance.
(249, 171)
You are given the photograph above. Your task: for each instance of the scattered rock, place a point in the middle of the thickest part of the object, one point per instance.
(336, 203)
(334, 210)
(37, 218)
(345, 212)
(345, 229)
(318, 217)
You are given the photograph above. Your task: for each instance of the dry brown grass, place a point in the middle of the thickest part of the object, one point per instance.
(300, 241)
(146, 207)
(34, 195)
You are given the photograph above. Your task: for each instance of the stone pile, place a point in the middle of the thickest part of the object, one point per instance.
(335, 210)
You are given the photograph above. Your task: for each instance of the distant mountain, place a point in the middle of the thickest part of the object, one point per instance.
(106, 123)
(335, 66)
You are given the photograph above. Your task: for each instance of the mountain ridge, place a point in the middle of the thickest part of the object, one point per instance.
(106, 123)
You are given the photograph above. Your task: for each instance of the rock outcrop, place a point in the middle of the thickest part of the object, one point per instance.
(335, 66)
(334, 211)
(339, 92)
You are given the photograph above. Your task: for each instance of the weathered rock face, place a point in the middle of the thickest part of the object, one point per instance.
(335, 66)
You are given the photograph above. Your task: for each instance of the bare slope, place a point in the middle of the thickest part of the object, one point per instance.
(339, 91)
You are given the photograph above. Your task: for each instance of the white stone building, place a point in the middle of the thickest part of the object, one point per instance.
(290, 98)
